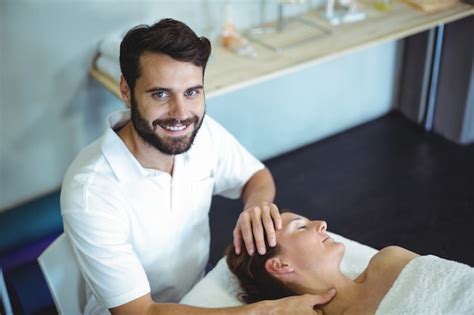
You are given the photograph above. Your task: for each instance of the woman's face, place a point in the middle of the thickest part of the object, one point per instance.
(306, 246)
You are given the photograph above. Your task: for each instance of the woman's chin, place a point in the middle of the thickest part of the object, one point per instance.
(341, 249)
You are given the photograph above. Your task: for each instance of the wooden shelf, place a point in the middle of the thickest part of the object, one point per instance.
(227, 71)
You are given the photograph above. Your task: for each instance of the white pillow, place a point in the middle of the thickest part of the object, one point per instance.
(220, 288)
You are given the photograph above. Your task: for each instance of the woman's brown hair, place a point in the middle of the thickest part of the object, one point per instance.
(257, 283)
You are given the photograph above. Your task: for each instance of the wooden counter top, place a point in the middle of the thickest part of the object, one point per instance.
(227, 71)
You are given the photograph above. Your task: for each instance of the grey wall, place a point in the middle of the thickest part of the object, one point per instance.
(51, 108)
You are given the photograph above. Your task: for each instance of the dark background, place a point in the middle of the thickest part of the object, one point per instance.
(383, 183)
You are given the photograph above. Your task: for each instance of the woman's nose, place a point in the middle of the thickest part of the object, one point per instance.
(321, 226)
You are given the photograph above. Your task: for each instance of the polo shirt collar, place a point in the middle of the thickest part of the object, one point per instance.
(120, 159)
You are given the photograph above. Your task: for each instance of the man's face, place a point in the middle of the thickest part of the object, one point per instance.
(167, 104)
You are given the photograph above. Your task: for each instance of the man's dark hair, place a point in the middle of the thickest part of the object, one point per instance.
(169, 37)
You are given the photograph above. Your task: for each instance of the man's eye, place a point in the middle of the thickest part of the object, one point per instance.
(159, 94)
(191, 92)
(303, 227)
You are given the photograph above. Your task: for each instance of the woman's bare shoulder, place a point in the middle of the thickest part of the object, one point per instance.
(380, 274)
(397, 251)
(392, 256)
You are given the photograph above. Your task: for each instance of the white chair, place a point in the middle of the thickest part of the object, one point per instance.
(4, 298)
(63, 277)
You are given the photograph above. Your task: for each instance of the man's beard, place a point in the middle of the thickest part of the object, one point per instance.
(166, 145)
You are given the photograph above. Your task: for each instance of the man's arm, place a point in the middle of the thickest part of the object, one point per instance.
(302, 304)
(260, 214)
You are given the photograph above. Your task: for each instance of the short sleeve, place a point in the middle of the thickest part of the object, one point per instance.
(99, 237)
(235, 165)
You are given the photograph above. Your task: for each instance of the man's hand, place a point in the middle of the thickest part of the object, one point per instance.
(252, 223)
(301, 304)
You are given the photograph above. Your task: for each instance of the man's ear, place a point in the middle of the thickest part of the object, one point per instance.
(125, 91)
(278, 268)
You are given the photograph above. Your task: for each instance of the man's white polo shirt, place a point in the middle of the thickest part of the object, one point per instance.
(136, 230)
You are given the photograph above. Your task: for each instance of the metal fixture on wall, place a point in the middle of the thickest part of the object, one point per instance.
(259, 34)
(434, 77)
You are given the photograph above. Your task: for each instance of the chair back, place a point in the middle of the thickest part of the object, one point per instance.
(63, 277)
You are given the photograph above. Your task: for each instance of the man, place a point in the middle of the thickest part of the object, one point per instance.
(135, 203)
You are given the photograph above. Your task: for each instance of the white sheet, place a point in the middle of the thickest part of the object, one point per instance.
(220, 288)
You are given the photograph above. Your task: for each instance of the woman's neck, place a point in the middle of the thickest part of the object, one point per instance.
(347, 292)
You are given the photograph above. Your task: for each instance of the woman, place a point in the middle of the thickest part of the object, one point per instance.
(306, 260)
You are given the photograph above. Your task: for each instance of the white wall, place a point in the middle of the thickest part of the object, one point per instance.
(50, 108)
(283, 114)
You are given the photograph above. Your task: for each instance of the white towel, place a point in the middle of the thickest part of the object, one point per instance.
(110, 46)
(220, 288)
(431, 285)
(109, 66)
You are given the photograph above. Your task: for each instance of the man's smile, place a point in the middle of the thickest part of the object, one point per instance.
(174, 127)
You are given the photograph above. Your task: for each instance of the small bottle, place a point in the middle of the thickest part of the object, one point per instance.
(232, 39)
(383, 5)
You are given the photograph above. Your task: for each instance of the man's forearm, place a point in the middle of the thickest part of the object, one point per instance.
(300, 304)
(175, 309)
(146, 305)
(259, 188)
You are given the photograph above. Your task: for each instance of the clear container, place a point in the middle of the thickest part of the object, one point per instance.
(383, 5)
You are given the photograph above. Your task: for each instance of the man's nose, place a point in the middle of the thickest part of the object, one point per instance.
(178, 108)
(321, 226)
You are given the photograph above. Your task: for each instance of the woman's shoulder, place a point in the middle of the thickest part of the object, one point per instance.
(381, 273)
(391, 257)
(398, 252)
